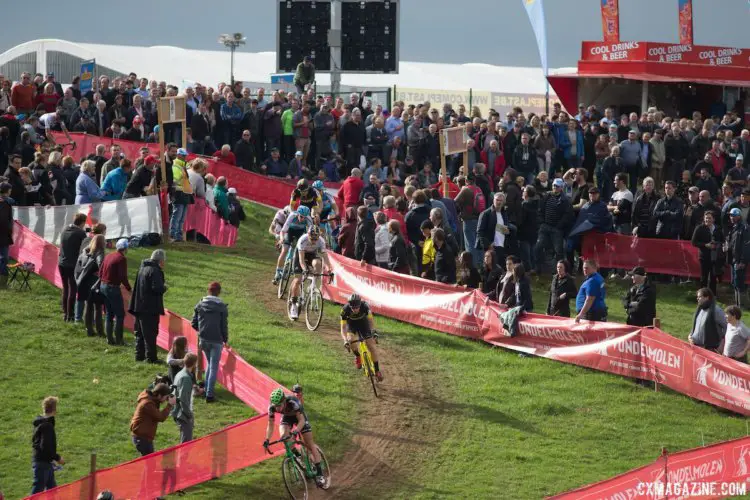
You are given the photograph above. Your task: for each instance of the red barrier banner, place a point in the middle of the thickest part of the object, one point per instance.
(205, 221)
(617, 251)
(181, 466)
(715, 471)
(644, 353)
(262, 189)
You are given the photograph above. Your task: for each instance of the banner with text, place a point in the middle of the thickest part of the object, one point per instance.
(610, 21)
(685, 13)
(701, 55)
(643, 353)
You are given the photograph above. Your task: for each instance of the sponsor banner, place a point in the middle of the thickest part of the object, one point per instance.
(617, 251)
(682, 53)
(536, 103)
(88, 69)
(644, 353)
(685, 16)
(205, 221)
(439, 97)
(124, 218)
(610, 21)
(716, 471)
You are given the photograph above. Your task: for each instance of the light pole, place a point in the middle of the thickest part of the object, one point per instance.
(232, 41)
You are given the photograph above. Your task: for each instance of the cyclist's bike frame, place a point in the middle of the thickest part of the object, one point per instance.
(325, 226)
(286, 272)
(311, 299)
(368, 367)
(297, 468)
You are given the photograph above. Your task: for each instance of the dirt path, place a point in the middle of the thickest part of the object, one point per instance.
(389, 443)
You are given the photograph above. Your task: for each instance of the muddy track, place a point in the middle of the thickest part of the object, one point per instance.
(389, 443)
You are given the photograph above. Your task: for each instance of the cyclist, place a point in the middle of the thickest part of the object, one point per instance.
(328, 207)
(278, 223)
(356, 318)
(295, 226)
(293, 414)
(304, 195)
(308, 256)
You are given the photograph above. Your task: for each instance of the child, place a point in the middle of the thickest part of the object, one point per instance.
(236, 213)
(428, 250)
(467, 274)
(176, 356)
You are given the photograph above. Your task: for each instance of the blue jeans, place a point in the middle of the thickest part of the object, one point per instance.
(179, 211)
(528, 256)
(44, 477)
(212, 350)
(113, 324)
(470, 239)
(4, 252)
(548, 237)
(738, 278)
(143, 446)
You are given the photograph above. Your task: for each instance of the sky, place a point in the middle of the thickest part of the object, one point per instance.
(441, 31)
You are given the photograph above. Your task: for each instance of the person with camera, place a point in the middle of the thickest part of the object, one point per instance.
(148, 415)
(184, 388)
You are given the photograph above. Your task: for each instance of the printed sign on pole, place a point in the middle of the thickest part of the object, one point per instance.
(88, 68)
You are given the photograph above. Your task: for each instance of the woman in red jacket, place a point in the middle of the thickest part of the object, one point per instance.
(49, 98)
(347, 233)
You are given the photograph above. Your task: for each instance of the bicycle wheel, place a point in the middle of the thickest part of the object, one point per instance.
(325, 468)
(286, 274)
(294, 479)
(369, 371)
(314, 309)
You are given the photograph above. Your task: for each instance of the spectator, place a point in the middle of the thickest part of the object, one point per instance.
(445, 259)
(221, 199)
(621, 205)
(382, 240)
(709, 323)
(116, 181)
(555, 217)
(210, 321)
(643, 221)
(630, 152)
(287, 130)
(467, 274)
(640, 301)
(470, 203)
(438, 220)
(709, 239)
(528, 227)
(737, 176)
(426, 176)
(590, 299)
(690, 215)
(22, 95)
(113, 274)
(244, 153)
(147, 304)
(44, 446)
(419, 212)
(236, 212)
(738, 253)
(375, 169)
(525, 160)
(182, 196)
(185, 387)
(491, 273)
(176, 356)
(737, 338)
(112, 163)
(658, 157)
(143, 180)
(148, 415)
(347, 232)
(494, 160)
(521, 296)
(494, 228)
(389, 209)
(364, 238)
(302, 122)
(225, 155)
(275, 165)
(513, 197)
(707, 183)
(668, 213)
(562, 289)
(398, 255)
(611, 166)
(17, 187)
(6, 231)
(353, 138)
(88, 304)
(70, 244)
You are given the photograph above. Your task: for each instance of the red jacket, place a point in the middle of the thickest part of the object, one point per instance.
(22, 97)
(229, 158)
(394, 214)
(49, 101)
(350, 191)
(496, 171)
(453, 189)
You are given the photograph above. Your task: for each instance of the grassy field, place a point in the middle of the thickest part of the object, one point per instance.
(491, 424)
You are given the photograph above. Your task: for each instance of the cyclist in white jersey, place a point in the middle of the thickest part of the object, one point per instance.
(309, 255)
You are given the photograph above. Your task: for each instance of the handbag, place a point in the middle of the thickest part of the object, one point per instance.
(88, 267)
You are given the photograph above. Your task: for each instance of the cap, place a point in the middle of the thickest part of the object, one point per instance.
(409, 158)
(739, 158)
(122, 244)
(51, 73)
(232, 191)
(137, 119)
(274, 149)
(631, 131)
(735, 212)
(21, 117)
(559, 183)
(613, 125)
(298, 153)
(593, 190)
(694, 189)
(638, 271)
(150, 160)
(182, 152)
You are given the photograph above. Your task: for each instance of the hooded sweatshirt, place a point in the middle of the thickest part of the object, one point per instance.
(364, 240)
(147, 416)
(210, 320)
(347, 232)
(44, 440)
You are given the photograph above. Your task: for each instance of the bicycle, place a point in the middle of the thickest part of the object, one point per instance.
(286, 272)
(297, 468)
(368, 367)
(325, 226)
(311, 299)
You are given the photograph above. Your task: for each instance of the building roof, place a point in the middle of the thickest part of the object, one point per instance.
(174, 64)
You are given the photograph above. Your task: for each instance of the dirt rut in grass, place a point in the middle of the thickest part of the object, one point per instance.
(393, 434)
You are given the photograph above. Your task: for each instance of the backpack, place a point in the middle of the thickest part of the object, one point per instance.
(479, 203)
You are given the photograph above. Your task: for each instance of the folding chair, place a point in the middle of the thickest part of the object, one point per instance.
(20, 273)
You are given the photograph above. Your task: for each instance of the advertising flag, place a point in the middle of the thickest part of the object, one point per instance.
(611, 21)
(87, 75)
(686, 21)
(535, 11)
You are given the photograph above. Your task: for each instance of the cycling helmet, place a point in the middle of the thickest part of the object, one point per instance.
(355, 300)
(302, 185)
(304, 211)
(313, 232)
(318, 184)
(288, 209)
(105, 495)
(277, 396)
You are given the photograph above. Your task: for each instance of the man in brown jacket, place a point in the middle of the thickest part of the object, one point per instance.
(148, 415)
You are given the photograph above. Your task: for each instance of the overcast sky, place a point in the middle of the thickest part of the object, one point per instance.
(443, 31)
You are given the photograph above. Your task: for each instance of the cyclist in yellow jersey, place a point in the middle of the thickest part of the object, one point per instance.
(304, 195)
(356, 318)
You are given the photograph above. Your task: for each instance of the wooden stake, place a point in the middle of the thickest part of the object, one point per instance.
(92, 477)
(443, 170)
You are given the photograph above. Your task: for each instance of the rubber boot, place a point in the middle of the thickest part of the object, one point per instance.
(109, 325)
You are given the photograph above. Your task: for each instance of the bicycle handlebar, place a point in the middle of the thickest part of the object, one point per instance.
(293, 434)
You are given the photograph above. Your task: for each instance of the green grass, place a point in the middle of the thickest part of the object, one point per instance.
(492, 424)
